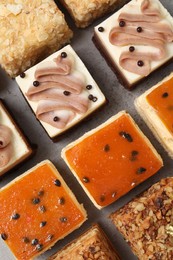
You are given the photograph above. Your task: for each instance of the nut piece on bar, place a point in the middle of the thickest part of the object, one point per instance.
(156, 108)
(136, 40)
(14, 147)
(112, 159)
(37, 210)
(30, 31)
(61, 91)
(147, 222)
(93, 244)
(84, 12)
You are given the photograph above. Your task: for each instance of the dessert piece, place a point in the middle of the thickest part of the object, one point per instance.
(14, 148)
(156, 108)
(60, 91)
(136, 40)
(89, 10)
(93, 244)
(112, 159)
(30, 31)
(147, 222)
(37, 210)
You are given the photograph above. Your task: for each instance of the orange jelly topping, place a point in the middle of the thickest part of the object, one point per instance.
(111, 161)
(161, 99)
(36, 211)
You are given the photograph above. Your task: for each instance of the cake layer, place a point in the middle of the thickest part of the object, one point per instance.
(136, 40)
(146, 222)
(112, 159)
(85, 12)
(30, 31)
(61, 91)
(156, 108)
(37, 210)
(14, 148)
(93, 244)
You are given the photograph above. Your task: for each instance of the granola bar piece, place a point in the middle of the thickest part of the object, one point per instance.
(29, 31)
(147, 222)
(93, 244)
(84, 12)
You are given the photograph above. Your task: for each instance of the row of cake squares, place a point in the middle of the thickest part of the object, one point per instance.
(34, 219)
(61, 92)
(117, 144)
(30, 31)
(135, 40)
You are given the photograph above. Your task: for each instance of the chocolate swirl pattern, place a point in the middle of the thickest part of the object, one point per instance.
(146, 33)
(5, 145)
(59, 91)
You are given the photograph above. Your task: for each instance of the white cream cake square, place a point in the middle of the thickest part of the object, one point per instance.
(136, 40)
(60, 91)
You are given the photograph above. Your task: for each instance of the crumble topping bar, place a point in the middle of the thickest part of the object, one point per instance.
(30, 31)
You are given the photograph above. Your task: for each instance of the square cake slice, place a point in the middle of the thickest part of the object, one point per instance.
(61, 91)
(93, 244)
(89, 10)
(136, 40)
(147, 222)
(30, 31)
(112, 159)
(37, 210)
(14, 147)
(156, 108)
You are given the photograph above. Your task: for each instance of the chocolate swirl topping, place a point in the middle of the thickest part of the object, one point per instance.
(5, 145)
(143, 27)
(60, 92)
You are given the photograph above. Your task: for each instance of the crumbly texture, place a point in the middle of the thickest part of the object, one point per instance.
(93, 244)
(84, 12)
(147, 222)
(29, 31)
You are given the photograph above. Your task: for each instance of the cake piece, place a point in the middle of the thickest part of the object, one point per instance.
(93, 244)
(61, 91)
(85, 12)
(147, 222)
(136, 40)
(37, 210)
(156, 108)
(30, 31)
(14, 147)
(112, 159)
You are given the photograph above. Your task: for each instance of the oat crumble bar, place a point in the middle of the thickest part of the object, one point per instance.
(84, 12)
(30, 31)
(147, 222)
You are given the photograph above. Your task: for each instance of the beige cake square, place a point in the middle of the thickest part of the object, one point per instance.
(61, 91)
(84, 12)
(14, 147)
(30, 31)
(93, 244)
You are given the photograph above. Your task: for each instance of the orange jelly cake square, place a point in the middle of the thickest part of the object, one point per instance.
(112, 159)
(14, 147)
(156, 108)
(93, 244)
(37, 209)
(61, 91)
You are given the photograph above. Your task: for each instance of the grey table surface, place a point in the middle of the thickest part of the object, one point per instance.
(119, 99)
